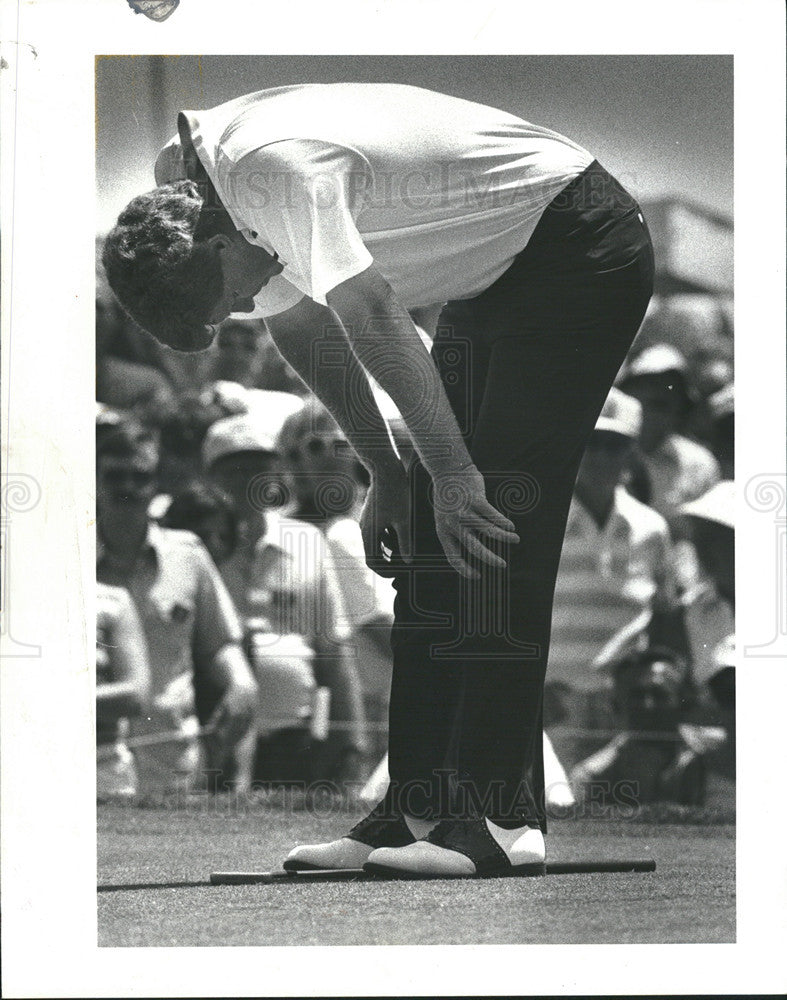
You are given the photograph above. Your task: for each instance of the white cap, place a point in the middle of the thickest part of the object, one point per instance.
(257, 430)
(718, 504)
(621, 414)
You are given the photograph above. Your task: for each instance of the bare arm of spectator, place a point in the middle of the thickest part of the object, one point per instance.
(128, 693)
(234, 713)
(219, 660)
(667, 627)
(334, 664)
(593, 778)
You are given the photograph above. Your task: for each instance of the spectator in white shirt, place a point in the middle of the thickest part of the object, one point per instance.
(614, 583)
(710, 607)
(122, 689)
(197, 668)
(678, 468)
(329, 485)
(284, 586)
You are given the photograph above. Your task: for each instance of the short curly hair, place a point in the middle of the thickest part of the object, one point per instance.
(159, 267)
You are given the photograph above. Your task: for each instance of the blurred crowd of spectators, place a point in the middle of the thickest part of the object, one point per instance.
(242, 641)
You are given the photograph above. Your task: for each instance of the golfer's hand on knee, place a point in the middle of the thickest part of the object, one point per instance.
(471, 531)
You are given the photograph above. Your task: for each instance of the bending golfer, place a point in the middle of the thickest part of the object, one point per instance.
(332, 210)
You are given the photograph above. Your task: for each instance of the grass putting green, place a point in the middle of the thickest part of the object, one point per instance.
(168, 852)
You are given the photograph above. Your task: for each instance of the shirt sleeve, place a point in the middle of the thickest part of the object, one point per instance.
(302, 198)
(709, 474)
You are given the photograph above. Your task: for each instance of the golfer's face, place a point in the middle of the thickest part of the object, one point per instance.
(246, 270)
(230, 303)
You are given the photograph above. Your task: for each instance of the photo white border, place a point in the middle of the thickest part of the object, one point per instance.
(48, 194)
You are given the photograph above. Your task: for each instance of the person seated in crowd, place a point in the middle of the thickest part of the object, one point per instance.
(329, 485)
(122, 689)
(182, 432)
(650, 761)
(285, 588)
(677, 468)
(614, 585)
(198, 671)
(709, 612)
(284, 668)
(208, 512)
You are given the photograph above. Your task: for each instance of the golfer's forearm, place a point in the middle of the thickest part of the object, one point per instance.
(354, 409)
(352, 405)
(387, 344)
(348, 398)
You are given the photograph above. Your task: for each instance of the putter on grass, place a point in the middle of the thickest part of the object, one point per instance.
(359, 875)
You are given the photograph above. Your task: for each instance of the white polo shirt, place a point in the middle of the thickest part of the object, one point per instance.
(440, 193)
(608, 583)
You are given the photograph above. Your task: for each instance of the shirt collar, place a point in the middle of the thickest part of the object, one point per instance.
(582, 521)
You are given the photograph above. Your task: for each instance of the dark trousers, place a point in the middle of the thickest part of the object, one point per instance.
(527, 366)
